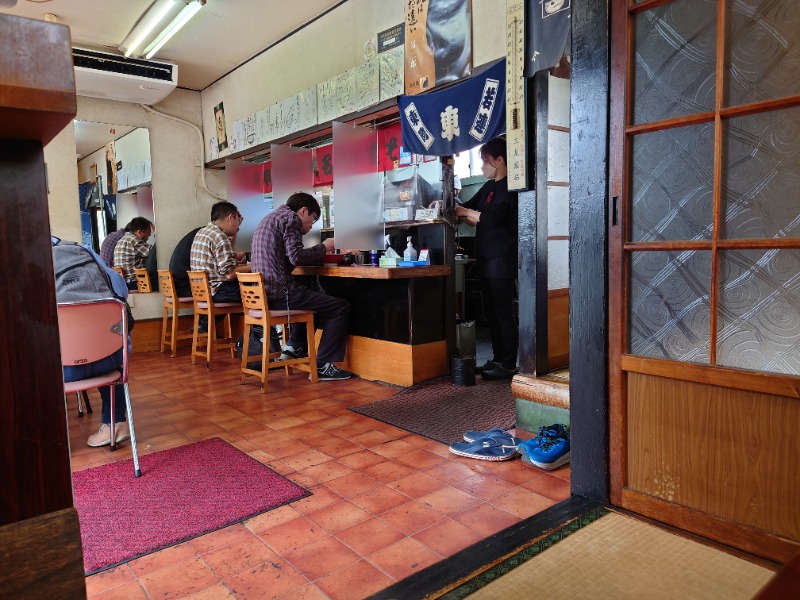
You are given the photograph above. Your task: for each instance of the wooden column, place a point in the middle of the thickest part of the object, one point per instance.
(37, 100)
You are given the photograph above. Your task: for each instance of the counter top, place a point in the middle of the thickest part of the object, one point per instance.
(370, 272)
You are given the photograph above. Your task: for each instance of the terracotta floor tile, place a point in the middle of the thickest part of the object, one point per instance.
(321, 558)
(412, 517)
(219, 538)
(371, 438)
(215, 592)
(304, 460)
(326, 471)
(370, 536)
(272, 518)
(162, 558)
(404, 558)
(127, 591)
(379, 499)
(358, 580)
(448, 537)
(320, 497)
(351, 485)
(522, 503)
(549, 486)
(271, 579)
(416, 485)
(449, 500)
(393, 449)
(420, 459)
(386, 472)
(338, 447)
(339, 516)
(482, 486)
(179, 579)
(307, 592)
(362, 459)
(290, 536)
(486, 519)
(513, 471)
(105, 580)
(239, 556)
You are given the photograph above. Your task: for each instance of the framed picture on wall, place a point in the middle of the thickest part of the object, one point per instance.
(219, 119)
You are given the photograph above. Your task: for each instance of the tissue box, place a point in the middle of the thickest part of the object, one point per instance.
(412, 263)
(426, 214)
(387, 261)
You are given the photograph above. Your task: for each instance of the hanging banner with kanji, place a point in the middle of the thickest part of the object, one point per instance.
(458, 118)
(323, 165)
(549, 25)
(390, 142)
(438, 43)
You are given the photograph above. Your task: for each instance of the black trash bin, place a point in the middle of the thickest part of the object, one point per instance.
(462, 370)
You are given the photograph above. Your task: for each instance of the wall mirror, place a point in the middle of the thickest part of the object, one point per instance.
(114, 181)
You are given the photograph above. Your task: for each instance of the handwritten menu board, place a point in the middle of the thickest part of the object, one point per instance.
(346, 92)
(327, 105)
(307, 108)
(391, 73)
(368, 83)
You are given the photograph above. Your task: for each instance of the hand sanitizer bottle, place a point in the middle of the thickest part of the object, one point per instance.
(409, 253)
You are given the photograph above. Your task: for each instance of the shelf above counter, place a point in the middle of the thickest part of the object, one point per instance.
(370, 272)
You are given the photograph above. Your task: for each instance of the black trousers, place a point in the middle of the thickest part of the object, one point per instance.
(498, 306)
(331, 315)
(228, 291)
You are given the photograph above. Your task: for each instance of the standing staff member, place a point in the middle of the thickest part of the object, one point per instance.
(493, 212)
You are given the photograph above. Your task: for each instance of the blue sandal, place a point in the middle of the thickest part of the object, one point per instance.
(472, 436)
(494, 448)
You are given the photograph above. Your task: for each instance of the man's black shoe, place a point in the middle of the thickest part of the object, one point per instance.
(488, 365)
(498, 372)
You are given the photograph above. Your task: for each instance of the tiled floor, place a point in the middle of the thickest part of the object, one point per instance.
(386, 503)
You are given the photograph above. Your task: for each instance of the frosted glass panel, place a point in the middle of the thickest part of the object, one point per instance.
(357, 184)
(669, 305)
(759, 321)
(761, 175)
(675, 50)
(672, 184)
(291, 172)
(557, 264)
(762, 54)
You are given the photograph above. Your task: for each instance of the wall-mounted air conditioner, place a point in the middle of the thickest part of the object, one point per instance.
(114, 77)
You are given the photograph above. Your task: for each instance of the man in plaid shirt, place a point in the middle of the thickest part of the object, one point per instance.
(212, 252)
(277, 250)
(132, 249)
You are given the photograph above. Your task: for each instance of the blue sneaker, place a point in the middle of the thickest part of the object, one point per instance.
(548, 450)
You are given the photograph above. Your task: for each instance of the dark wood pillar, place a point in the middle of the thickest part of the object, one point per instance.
(37, 100)
(588, 250)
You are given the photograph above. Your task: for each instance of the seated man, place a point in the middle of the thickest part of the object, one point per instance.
(277, 249)
(212, 252)
(132, 249)
(180, 262)
(74, 373)
(110, 242)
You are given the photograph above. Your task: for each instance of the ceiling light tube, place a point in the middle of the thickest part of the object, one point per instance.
(146, 25)
(187, 13)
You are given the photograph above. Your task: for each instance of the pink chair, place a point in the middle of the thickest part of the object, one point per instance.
(91, 331)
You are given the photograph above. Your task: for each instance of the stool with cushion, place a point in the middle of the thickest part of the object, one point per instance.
(257, 312)
(205, 305)
(172, 305)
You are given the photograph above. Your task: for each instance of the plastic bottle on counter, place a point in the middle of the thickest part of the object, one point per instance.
(410, 253)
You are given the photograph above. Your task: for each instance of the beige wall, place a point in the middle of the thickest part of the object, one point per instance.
(327, 47)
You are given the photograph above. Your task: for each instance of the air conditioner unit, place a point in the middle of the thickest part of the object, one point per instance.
(114, 77)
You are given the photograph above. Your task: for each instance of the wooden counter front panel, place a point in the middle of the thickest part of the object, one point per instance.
(730, 453)
(399, 364)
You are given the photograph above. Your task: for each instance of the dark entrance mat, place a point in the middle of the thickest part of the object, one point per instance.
(441, 411)
(182, 493)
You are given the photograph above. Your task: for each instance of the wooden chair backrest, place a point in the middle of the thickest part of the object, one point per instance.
(251, 286)
(119, 270)
(143, 281)
(201, 289)
(167, 284)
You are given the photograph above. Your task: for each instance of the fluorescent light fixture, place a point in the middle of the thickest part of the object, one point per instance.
(186, 13)
(146, 25)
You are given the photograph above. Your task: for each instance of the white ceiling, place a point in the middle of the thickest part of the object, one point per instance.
(223, 35)
(90, 136)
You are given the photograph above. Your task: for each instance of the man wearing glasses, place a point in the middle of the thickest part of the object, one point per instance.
(212, 252)
(277, 250)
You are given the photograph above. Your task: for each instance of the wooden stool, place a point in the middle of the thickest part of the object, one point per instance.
(172, 305)
(204, 305)
(254, 300)
(120, 270)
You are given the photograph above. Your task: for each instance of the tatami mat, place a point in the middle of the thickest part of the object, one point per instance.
(619, 557)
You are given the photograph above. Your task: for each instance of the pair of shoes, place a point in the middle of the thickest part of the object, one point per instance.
(498, 372)
(472, 436)
(487, 366)
(549, 449)
(330, 372)
(488, 448)
(288, 353)
(103, 435)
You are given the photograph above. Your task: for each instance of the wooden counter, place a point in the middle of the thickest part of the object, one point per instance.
(370, 272)
(396, 321)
